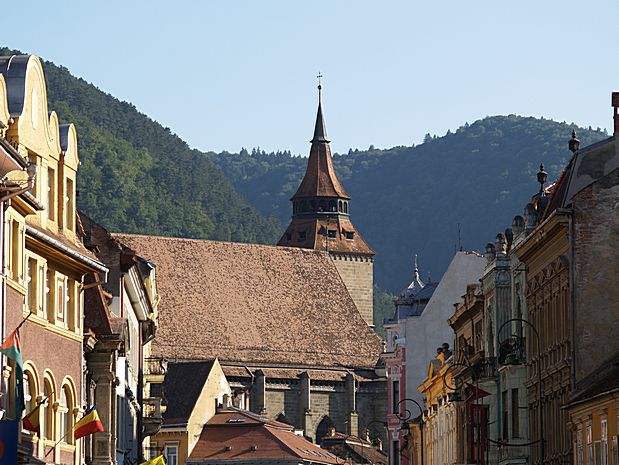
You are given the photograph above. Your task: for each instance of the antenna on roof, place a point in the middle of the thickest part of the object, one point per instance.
(459, 239)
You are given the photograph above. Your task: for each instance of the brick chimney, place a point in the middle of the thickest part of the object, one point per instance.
(615, 104)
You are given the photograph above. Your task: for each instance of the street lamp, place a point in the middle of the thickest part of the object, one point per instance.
(405, 416)
(513, 358)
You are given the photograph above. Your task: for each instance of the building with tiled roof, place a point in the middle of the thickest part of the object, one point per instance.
(191, 390)
(234, 436)
(321, 221)
(287, 335)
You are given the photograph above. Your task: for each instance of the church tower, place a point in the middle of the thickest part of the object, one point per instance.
(321, 221)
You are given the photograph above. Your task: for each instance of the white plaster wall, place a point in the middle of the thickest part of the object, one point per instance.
(427, 332)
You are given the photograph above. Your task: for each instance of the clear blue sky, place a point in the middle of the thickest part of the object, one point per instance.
(230, 74)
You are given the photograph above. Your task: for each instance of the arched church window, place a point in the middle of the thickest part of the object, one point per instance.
(332, 206)
(322, 206)
(340, 206)
(313, 205)
(345, 207)
(323, 428)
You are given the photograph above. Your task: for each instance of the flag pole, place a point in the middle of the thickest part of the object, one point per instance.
(57, 442)
(23, 321)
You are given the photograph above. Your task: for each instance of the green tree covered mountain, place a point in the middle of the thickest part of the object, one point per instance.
(137, 176)
(410, 200)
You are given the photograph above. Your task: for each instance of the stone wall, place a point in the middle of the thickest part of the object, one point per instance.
(596, 262)
(357, 272)
(330, 399)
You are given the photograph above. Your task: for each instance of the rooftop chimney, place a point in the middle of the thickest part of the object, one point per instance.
(615, 104)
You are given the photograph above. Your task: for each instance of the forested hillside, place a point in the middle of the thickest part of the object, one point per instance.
(410, 200)
(137, 176)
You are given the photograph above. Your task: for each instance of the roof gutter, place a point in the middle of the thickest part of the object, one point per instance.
(72, 253)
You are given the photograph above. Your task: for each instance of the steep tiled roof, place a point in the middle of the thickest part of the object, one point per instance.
(241, 437)
(315, 233)
(182, 386)
(320, 179)
(253, 303)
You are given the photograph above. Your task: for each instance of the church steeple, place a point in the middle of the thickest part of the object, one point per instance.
(321, 220)
(320, 179)
(320, 130)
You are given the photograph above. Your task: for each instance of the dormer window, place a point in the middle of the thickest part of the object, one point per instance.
(350, 235)
(332, 233)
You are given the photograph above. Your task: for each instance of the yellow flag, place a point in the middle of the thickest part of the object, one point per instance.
(156, 461)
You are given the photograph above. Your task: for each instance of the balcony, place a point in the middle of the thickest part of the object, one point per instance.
(152, 419)
(155, 369)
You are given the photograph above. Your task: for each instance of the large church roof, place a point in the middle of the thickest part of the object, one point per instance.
(253, 304)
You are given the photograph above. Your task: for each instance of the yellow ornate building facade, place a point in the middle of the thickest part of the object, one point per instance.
(45, 263)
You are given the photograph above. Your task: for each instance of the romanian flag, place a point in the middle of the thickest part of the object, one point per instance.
(89, 424)
(156, 461)
(31, 420)
(11, 348)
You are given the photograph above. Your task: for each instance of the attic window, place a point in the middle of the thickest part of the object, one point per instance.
(350, 235)
(236, 420)
(302, 236)
(332, 233)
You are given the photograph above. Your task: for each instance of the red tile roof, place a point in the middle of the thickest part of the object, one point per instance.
(254, 303)
(241, 436)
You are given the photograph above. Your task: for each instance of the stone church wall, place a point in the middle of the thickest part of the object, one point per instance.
(357, 272)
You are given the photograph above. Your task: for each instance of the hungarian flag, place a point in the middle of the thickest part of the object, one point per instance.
(11, 348)
(89, 424)
(31, 420)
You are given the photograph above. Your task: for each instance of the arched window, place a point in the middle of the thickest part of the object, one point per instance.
(313, 205)
(323, 428)
(345, 207)
(30, 394)
(65, 409)
(47, 430)
(341, 206)
(332, 206)
(323, 206)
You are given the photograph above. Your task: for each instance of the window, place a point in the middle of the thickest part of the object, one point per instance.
(47, 430)
(171, 455)
(604, 442)
(68, 205)
(63, 410)
(515, 414)
(32, 284)
(589, 439)
(15, 250)
(49, 294)
(71, 307)
(579, 452)
(28, 394)
(51, 194)
(332, 233)
(61, 295)
(350, 235)
(395, 396)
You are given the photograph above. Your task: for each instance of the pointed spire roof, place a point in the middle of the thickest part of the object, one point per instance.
(320, 130)
(320, 179)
